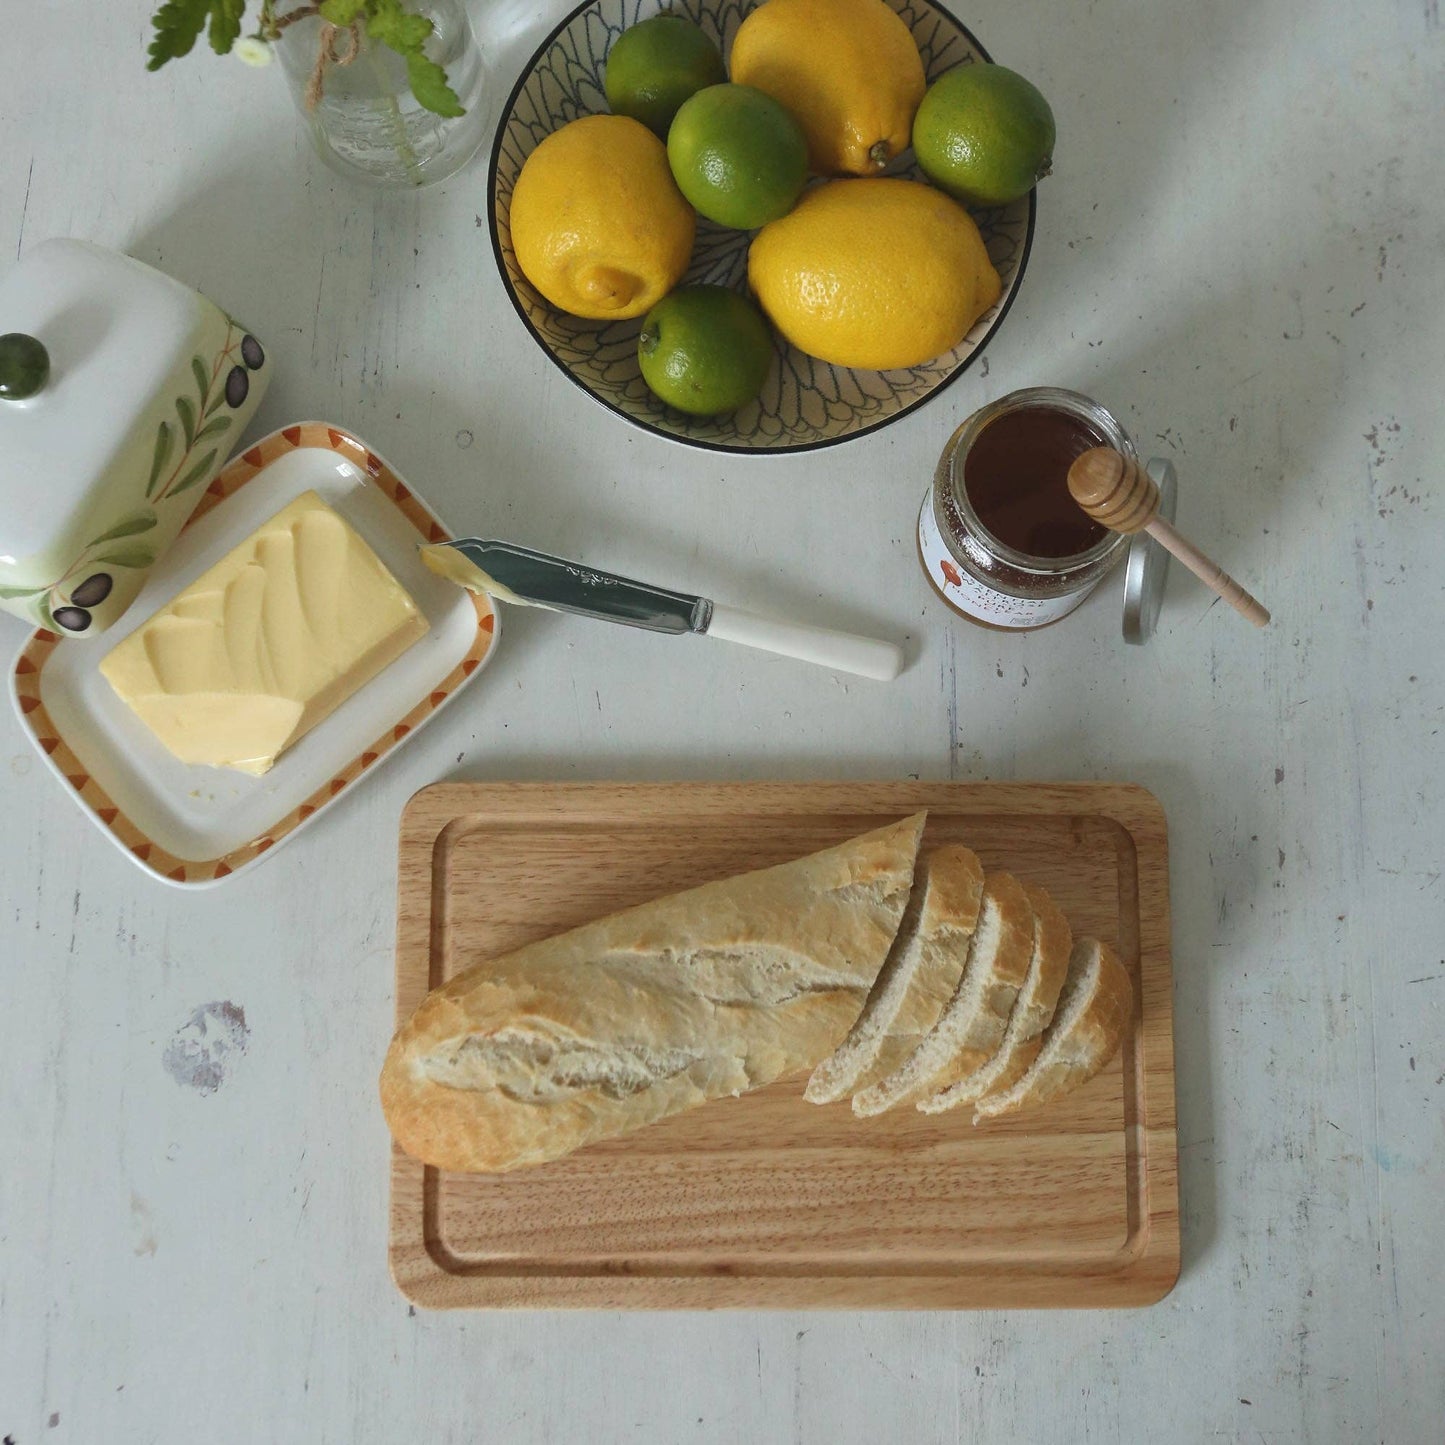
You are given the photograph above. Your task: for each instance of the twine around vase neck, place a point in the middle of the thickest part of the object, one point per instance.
(327, 54)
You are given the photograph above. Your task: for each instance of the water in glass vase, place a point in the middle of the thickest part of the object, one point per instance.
(364, 121)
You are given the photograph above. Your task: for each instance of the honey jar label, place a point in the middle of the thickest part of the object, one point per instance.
(977, 599)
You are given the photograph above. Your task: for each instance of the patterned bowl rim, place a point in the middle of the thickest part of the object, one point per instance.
(701, 442)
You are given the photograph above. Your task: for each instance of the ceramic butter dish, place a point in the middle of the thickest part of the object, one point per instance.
(122, 393)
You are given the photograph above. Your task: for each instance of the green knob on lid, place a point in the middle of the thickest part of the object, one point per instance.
(24, 366)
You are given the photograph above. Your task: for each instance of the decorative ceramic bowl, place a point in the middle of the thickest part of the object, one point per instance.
(806, 403)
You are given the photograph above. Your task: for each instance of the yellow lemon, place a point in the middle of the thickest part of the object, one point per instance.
(598, 224)
(847, 69)
(873, 273)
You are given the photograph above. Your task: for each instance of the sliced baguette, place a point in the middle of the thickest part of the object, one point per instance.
(657, 1009)
(916, 982)
(1032, 1011)
(1094, 1009)
(971, 1027)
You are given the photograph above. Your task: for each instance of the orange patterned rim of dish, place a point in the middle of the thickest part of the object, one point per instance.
(31, 663)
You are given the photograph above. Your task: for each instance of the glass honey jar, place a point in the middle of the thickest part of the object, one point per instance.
(1000, 538)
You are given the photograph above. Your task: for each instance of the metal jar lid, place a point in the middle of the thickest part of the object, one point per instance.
(1146, 568)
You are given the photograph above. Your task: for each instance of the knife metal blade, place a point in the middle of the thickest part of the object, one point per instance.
(537, 579)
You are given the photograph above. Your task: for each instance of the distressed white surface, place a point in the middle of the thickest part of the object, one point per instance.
(1241, 252)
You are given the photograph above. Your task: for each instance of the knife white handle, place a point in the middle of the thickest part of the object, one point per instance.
(842, 651)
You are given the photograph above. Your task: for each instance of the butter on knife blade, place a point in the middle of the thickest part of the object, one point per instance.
(447, 561)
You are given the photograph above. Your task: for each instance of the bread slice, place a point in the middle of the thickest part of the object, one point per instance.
(1094, 1009)
(657, 1009)
(917, 980)
(971, 1028)
(1033, 1009)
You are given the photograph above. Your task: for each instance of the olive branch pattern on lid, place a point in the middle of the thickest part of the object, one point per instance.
(65, 604)
(805, 402)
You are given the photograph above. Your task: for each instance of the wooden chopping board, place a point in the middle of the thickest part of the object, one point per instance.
(767, 1200)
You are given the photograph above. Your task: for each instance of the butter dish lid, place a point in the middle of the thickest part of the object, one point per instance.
(122, 393)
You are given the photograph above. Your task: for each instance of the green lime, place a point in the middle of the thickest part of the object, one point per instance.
(705, 350)
(655, 66)
(738, 156)
(984, 134)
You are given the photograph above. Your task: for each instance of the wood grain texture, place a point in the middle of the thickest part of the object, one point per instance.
(767, 1201)
(1113, 489)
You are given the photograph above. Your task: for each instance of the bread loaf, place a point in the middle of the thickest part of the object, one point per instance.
(1032, 1011)
(1093, 1012)
(917, 980)
(971, 1028)
(651, 1011)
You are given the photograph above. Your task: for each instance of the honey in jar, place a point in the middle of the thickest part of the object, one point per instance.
(1001, 539)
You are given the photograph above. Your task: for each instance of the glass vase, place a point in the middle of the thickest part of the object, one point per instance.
(353, 95)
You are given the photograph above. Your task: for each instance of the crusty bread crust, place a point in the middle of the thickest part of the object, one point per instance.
(651, 1011)
(1032, 1011)
(916, 981)
(1095, 1011)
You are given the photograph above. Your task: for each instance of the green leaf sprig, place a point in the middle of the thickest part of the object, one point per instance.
(178, 24)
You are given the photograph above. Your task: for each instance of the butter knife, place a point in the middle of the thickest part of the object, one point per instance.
(510, 573)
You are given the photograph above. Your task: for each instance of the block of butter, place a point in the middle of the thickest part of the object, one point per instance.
(259, 649)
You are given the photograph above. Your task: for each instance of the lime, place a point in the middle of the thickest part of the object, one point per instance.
(705, 350)
(738, 156)
(984, 134)
(655, 66)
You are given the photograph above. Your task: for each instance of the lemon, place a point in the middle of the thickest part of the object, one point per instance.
(598, 224)
(847, 69)
(873, 273)
(705, 350)
(737, 155)
(984, 134)
(656, 65)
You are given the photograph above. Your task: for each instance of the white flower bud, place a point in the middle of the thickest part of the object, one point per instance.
(253, 50)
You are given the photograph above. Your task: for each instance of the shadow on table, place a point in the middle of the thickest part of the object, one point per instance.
(1144, 99)
(320, 268)
(489, 503)
(1237, 490)
(1263, 353)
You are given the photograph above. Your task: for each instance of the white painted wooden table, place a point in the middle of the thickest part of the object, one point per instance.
(1241, 252)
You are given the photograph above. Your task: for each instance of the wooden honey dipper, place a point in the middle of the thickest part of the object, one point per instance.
(1123, 496)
